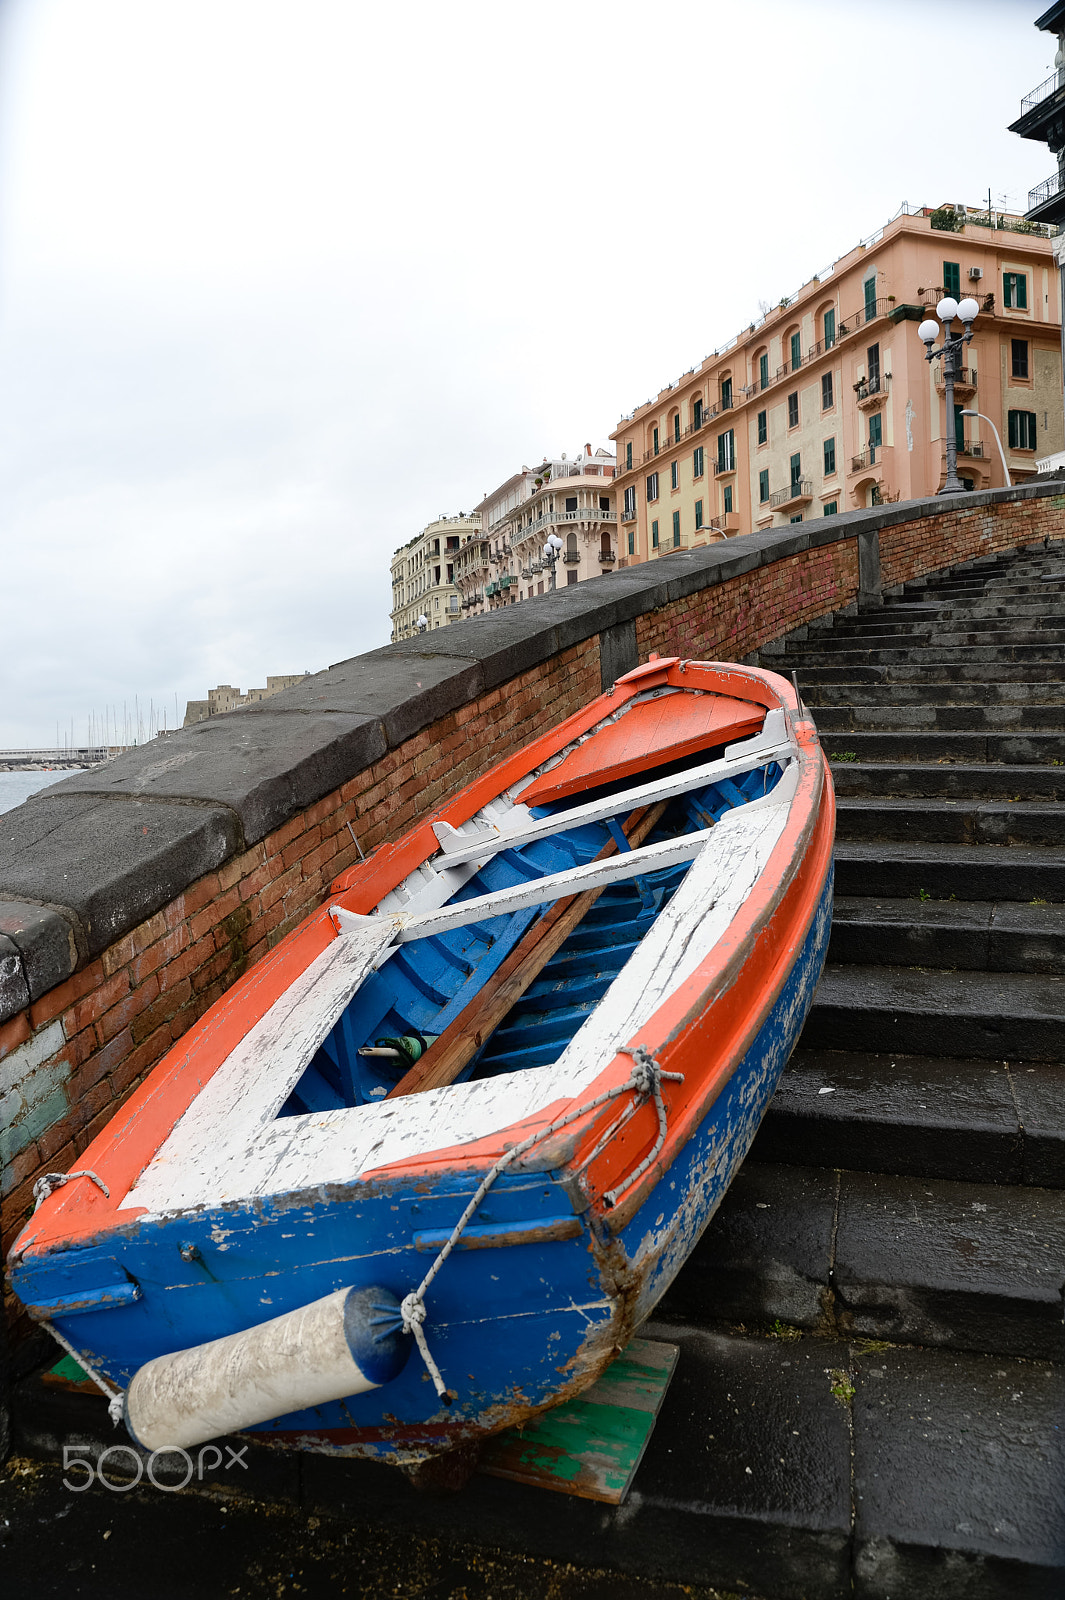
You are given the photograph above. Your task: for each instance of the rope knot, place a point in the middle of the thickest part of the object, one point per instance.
(53, 1180)
(412, 1310)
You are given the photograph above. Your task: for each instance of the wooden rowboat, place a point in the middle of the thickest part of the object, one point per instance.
(423, 1170)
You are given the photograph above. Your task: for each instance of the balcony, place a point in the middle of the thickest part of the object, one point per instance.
(723, 468)
(606, 558)
(932, 297)
(797, 493)
(1046, 198)
(570, 558)
(964, 382)
(871, 456)
(1048, 87)
(871, 391)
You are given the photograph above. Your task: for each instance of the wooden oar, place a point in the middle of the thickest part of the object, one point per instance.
(445, 1059)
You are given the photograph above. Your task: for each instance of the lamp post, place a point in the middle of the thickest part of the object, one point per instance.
(551, 550)
(947, 309)
(998, 441)
(422, 623)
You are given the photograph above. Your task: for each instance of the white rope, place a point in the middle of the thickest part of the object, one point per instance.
(53, 1180)
(644, 1080)
(114, 1409)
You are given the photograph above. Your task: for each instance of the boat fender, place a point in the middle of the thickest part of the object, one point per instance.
(350, 1341)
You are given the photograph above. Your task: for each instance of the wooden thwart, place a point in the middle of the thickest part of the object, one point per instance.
(447, 1057)
(591, 1446)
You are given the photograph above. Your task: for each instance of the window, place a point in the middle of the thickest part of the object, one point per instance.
(676, 529)
(830, 457)
(726, 394)
(796, 472)
(797, 518)
(728, 498)
(698, 462)
(793, 410)
(654, 439)
(1021, 426)
(872, 356)
(726, 451)
(604, 502)
(827, 396)
(676, 428)
(654, 536)
(763, 426)
(952, 279)
(572, 553)
(830, 329)
(632, 541)
(1015, 290)
(697, 413)
(875, 436)
(571, 577)
(763, 486)
(674, 474)
(571, 502)
(698, 514)
(796, 351)
(628, 458)
(870, 297)
(652, 486)
(763, 372)
(630, 503)
(830, 508)
(1020, 357)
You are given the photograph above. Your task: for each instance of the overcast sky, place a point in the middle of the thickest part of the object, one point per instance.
(279, 283)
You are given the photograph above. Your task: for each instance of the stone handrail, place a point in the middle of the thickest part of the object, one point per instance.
(132, 895)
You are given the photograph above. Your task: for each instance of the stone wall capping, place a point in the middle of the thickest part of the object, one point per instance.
(262, 766)
(44, 941)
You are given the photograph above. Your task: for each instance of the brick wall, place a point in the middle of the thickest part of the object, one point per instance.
(70, 1058)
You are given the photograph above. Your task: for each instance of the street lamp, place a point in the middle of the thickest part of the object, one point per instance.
(947, 309)
(998, 441)
(422, 623)
(551, 550)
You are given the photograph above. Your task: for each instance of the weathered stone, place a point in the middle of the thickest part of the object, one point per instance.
(43, 939)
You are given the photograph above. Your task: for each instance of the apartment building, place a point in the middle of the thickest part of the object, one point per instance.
(424, 586)
(827, 403)
(572, 498)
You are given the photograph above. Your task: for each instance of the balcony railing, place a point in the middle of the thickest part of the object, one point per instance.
(871, 456)
(606, 558)
(1044, 91)
(964, 378)
(570, 558)
(872, 388)
(721, 467)
(546, 518)
(1045, 191)
(801, 489)
(932, 297)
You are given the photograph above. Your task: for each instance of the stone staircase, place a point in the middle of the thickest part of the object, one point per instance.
(870, 1400)
(902, 1216)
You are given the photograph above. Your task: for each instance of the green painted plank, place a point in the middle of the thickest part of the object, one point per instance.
(591, 1446)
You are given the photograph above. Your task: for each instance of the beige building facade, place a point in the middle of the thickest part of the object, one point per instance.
(828, 403)
(424, 576)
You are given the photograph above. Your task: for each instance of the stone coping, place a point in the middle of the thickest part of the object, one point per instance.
(88, 859)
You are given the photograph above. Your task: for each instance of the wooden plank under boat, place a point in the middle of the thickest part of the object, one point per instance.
(613, 938)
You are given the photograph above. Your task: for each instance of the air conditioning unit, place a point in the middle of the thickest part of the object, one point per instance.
(975, 274)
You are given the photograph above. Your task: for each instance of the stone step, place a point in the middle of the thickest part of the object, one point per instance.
(926, 1116)
(933, 621)
(949, 780)
(978, 936)
(989, 822)
(818, 652)
(796, 1468)
(935, 693)
(929, 1261)
(1001, 1016)
(939, 871)
(891, 716)
(982, 678)
(908, 745)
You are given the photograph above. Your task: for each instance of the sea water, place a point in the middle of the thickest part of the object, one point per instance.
(18, 786)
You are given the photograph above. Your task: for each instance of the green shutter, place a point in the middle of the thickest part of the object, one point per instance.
(632, 541)
(952, 278)
(698, 513)
(763, 486)
(676, 428)
(830, 508)
(763, 372)
(654, 536)
(1022, 291)
(728, 497)
(830, 457)
(676, 529)
(763, 426)
(876, 435)
(796, 351)
(959, 428)
(830, 329)
(870, 297)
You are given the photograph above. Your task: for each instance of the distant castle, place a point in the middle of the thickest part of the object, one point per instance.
(227, 698)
